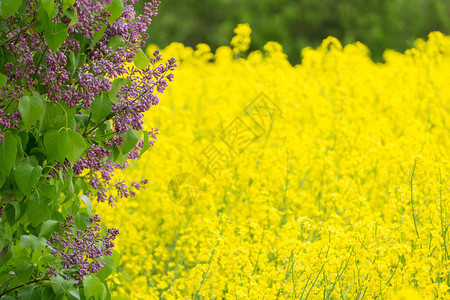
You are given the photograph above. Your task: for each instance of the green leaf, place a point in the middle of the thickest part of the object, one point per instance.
(17, 210)
(146, 143)
(57, 144)
(49, 259)
(27, 175)
(141, 61)
(30, 242)
(19, 252)
(8, 152)
(117, 84)
(10, 7)
(93, 287)
(48, 227)
(56, 36)
(67, 4)
(101, 108)
(73, 16)
(115, 42)
(87, 201)
(130, 140)
(30, 293)
(115, 8)
(30, 108)
(73, 294)
(107, 269)
(47, 6)
(3, 79)
(24, 272)
(78, 147)
(116, 259)
(39, 209)
(98, 35)
(2, 179)
(60, 285)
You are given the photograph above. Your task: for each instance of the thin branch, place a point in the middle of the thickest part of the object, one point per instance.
(22, 285)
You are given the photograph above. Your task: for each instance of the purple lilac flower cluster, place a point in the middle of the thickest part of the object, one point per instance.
(93, 77)
(80, 249)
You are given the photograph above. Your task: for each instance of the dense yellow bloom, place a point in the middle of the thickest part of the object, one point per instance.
(325, 180)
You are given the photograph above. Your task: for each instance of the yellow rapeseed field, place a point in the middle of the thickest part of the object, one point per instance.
(325, 180)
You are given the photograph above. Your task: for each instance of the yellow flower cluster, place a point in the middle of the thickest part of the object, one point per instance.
(241, 41)
(325, 180)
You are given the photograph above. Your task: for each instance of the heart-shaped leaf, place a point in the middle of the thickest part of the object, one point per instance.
(115, 8)
(27, 175)
(39, 209)
(31, 109)
(78, 146)
(57, 144)
(101, 108)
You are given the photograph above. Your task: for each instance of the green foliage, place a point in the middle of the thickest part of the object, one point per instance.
(380, 24)
(35, 195)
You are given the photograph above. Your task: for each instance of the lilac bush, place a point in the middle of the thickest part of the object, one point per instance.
(74, 87)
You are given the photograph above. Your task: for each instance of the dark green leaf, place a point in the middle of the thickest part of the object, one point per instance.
(130, 140)
(115, 9)
(57, 144)
(17, 210)
(8, 152)
(13, 213)
(27, 175)
(101, 108)
(30, 242)
(48, 227)
(10, 7)
(47, 6)
(31, 109)
(39, 209)
(141, 61)
(117, 84)
(78, 146)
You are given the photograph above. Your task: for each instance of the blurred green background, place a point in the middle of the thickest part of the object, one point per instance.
(379, 24)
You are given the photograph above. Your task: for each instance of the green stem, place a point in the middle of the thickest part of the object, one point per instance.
(412, 199)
